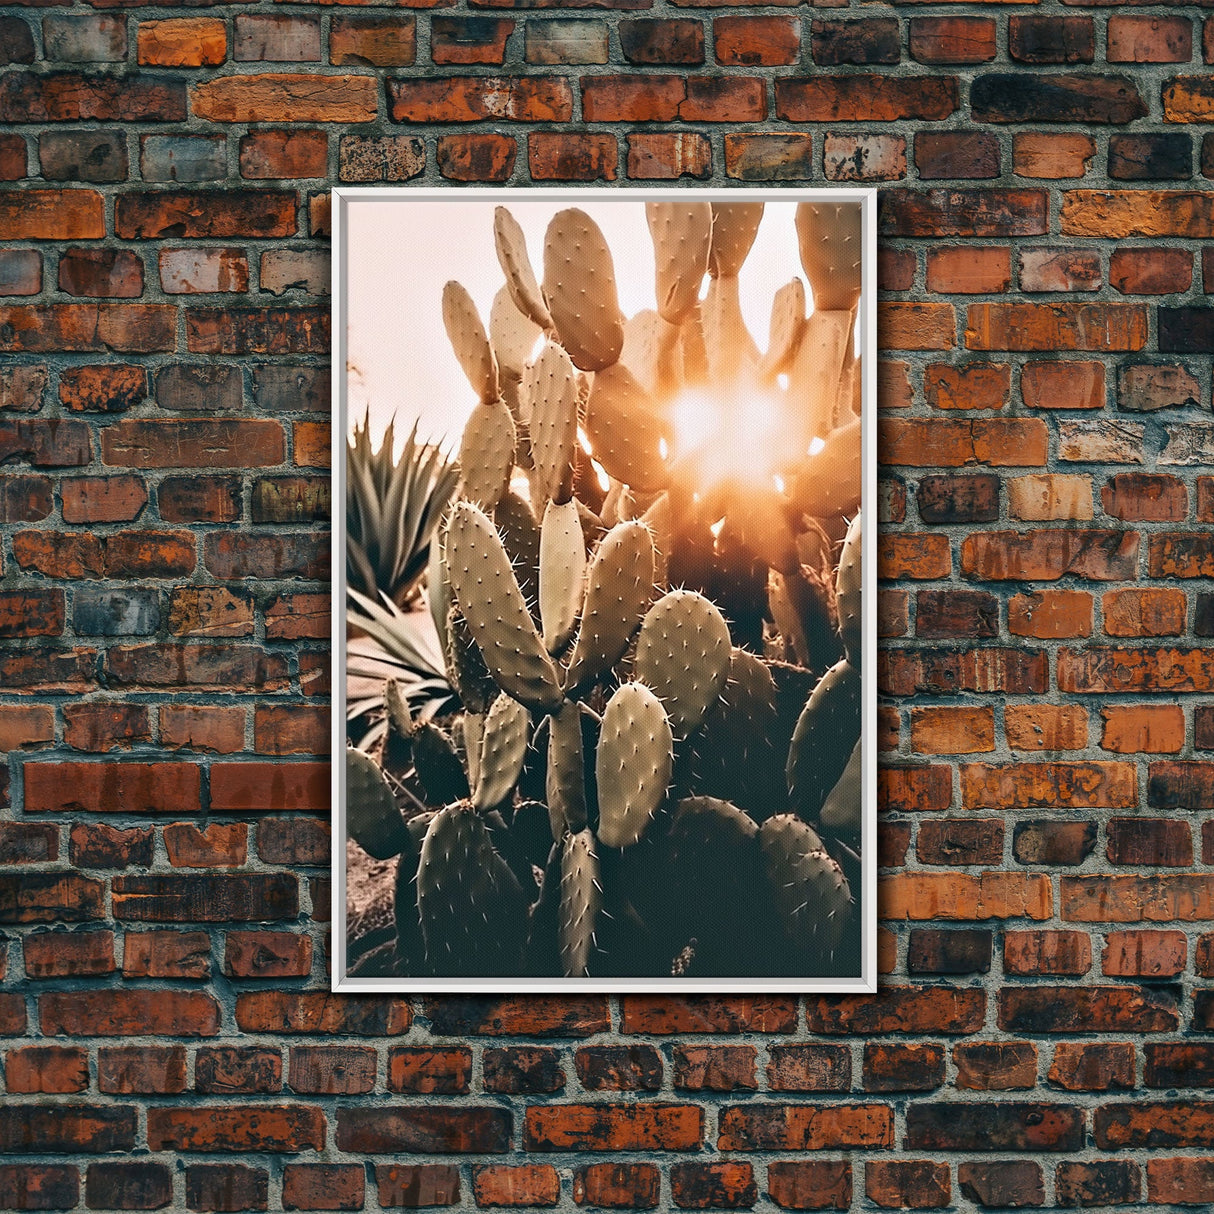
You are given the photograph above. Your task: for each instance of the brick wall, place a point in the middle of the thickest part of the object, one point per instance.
(1042, 1035)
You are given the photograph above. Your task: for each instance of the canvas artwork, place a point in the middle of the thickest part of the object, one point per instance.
(604, 647)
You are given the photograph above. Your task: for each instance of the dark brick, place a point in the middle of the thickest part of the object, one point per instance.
(958, 951)
(1025, 97)
(1150, 157)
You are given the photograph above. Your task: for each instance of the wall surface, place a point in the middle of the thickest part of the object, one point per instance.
(1042, 1037)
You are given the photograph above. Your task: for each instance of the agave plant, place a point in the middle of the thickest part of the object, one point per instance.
(392, 509)
(398, 645)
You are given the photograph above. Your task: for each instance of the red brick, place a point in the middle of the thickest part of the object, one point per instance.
(218, 1128)
(1150, 39)
(446, 1071)
(667, 156)
(503, 1185)
(649, 41)
(226, 1187)
(783, 1127)
(755, 41)
(986, 895)
(992, 1066)
(916, 1184)
(965, 270)
(281, 154)
(1063, 385)
(638, 1126)
(218, 845)
(565, 156)
(970, 386)
(1047, 952)
(1050, 614)
(903, 1068)
(656, 1014)
(934, 442)
(285, 97)
(810, 1184)
(898, 1009)
(321, 1012)
(1143, 955)
(476, 157)
(258, 331)
(101, 726)
(518, 1069)
(371, 40)
(88, 328)
(195, 444)
(429, 1129)
(1103, 327)
(952, 730)
(103, 499)
(781, 157)
(865, 98)
(51, 215)
(714, 1068)
(319, 1186)
(955, 841)
(617, 1185)
(479, 98)
(206, 728)
(112, 787)
(1151, 271)
(939, 40)
(46, 1069)
(332, 1070)
(809, 1068)
(1179, 1181)
(1143, 728)
(122, 1013)
(267, 954)
(198, 271)
(724, 1185)
(956, 154)
(426, 1184)
(150, 1069)
(229, 1069)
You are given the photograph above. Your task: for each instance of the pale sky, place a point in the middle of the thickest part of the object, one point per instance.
(402, 251)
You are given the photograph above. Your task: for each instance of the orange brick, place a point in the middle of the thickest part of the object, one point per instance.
(1046, 726)
(1143, 729)
(1050, 496)
(1050, 613)
(1051, 157)
(952, 730)
(1144, 613)
(969, 270)
(183, 42)
(1062, 385)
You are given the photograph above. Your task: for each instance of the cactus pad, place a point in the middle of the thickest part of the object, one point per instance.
(633, 764)
(469, 341)
(554, 408)
(562, 573)
(823, 739)
(372, 816)
(848, 592)
(619, 589)
(579, 289)
(842, 812)
(628, 434)
(465, 667)
(486, 454)
(516, 265)
(682, 237)
(734, 228)
(581, 903)
(787, 326)
(812, 895)
(491, 601)
(519, 531)
(438, 767)
(727, 341)
(565, 785)
(503, 747)
(512, 334)
(831, 239)
(683, 655)
(471, 906)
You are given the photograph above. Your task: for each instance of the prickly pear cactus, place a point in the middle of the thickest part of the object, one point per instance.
(847, 592)
(581, 903)
(682, 239)
(822, 742)
(580, 292)
(469, 340)
(831, 239)
(372, 816)
(812, 895)
(503, 747)
(489, 597)
(471, 906)
(633, 765)
(562, 574)
(619, 588)
(683, 655)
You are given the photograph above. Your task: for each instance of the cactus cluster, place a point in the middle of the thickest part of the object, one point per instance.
(656, 766)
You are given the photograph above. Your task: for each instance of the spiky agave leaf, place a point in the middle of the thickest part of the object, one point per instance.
(398, 645)
(392, 509)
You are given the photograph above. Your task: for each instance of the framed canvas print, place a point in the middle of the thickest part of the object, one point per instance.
(604, 633)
